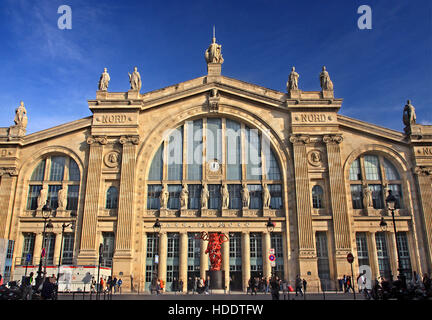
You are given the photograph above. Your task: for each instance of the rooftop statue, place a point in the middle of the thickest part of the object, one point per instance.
(21, 116)
(326, 83)
(135, 80)
(214, 52)
(409, 116)
(292, 83)
(104, 80)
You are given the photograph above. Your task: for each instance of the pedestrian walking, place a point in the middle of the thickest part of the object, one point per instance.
(27, 287)
(114, 284)
(119, 283)
(256, 285)
(304, 286)
(181, 286)
(349, 284)
(93, 285)
(275, 288)
(207, 285)
(298, 285)
(47, 292)
(344, 279)
(284, 288)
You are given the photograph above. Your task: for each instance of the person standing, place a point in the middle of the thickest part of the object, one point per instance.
(207, 285)
(298, 284)
(304, 286)
(114, 284)
(181, 286)
(93, 285)
(119, 282)
(27, 286)
(275, 287)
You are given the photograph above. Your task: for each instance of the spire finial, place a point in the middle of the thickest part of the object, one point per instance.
(214, 34)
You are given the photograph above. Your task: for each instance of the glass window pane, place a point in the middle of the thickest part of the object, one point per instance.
(214, 139)
(156, 168)
(273, 168)
(275, 196)
(39, 172)
(74, 173)
(214, 196)
(72, 198)
(390, 171)
(377, 196)
(383, 258)
(322, 255)
(317, 197)
(57, 168)
(253, 155)
(111, 198)
(174, 196)
(234, 191)
(255, 193)
(405, 260)
(362, 249)
(153, 194)
(233, 150)
(372, 167)
(53, 196)
(32, 197)
(357, 196)
(355, 172)
(397, 192)
(195, 149)
(175, 154)
(194, 196)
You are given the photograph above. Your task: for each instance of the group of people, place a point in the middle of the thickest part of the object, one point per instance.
(198, 285)
(274, 285)
(345, 284)
(106, 285)
(48, 287)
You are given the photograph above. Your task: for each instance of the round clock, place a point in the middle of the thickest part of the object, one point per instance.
(214, 165)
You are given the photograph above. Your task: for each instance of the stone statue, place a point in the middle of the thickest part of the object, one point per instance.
(164, 195)
(62, 199)
(245, 196)
(135, 80)
(42, 198)
(266, 196)
(409, 116)
(184, 194)
(104, 80)
(205, 194)
(326, 83)
(214, 52)
(292, 83)
(21, 116)
(225, 196)
(367, 197)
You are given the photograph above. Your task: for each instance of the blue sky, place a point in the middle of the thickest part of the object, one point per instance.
(56, 71)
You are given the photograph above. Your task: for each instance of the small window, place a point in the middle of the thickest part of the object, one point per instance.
(112, 198)
(317, 197)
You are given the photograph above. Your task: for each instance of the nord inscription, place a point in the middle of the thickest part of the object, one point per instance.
(118, 118)
(314, 117)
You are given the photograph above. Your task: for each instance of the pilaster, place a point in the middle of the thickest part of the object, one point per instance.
(183, 256)
(203, 258)
(8, 177)
(245, 259)
(163, 246)
(225, 262)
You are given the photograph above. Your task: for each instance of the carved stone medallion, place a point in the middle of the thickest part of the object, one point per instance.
(112, 159)
(315, 158)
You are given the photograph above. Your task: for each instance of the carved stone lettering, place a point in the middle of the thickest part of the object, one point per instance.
(314, 117)
(111, 118)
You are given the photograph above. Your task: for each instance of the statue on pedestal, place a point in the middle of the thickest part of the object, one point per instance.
(164, 195)
(367, 197)
(245, 196)
(42, 198)
(21, 116)
(225, 196)
(266, 196)
(104, 80)
(184, 194)
(135, 80)
(326, 83)
(214, 52)
(205, 194)
(62, 199)
(292, 83)
(409, 116)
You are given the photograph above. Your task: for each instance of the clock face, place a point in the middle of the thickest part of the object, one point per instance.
(214, 166)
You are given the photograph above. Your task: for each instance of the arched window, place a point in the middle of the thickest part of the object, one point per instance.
(378, 175)
(317, 197)
(54, 173)
(111, 198)
(202, 149)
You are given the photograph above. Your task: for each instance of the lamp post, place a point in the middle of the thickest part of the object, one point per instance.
(46, 215)
(64, 226)
(270, 227)
(391, 205)
(156, 228)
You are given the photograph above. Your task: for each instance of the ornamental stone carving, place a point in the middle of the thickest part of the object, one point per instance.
(423, 171)
(135, 80)
(292, 83)
(164, 195)
(213, 100)
(314, 158)
(298, 139)
(205, 194)
(9, 171)
(112, 159)
(337, 138)
(225, 196)
(367, 197)
(184, 195)
(62, 199)
(214, 52)
(21, 116)
(129, 139)
(245, 196)
(42, 198)
(326, 83)
(409, 117)
(97, 139)
(266, 196)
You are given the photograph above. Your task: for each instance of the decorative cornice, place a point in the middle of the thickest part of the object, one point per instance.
(423, 171)
(334, 138)
(10, 171)
(129, 139)
(99, 139)
(299, 138)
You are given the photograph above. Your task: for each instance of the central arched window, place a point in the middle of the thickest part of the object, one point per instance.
(379, 175)
(209, 150)
(54, 173)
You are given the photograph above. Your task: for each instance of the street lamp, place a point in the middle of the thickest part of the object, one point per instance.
(270, 227)
(64, 226)
(391, 205)
(46, 215)
(156, 228)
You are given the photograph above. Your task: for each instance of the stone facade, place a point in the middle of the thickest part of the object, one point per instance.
(313, 144)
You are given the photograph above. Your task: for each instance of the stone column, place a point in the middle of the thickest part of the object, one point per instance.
(37, 248)
(266, 245)
(373, 256)
(246, 272)
(225, 263)
(204, 265)
(143, 262)
(57, 244)
(125, 220)
(183, 257)
(163, 251)
(7, 187)
(89, 245)
(341, 223)
(424, 181)
(307, 252)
